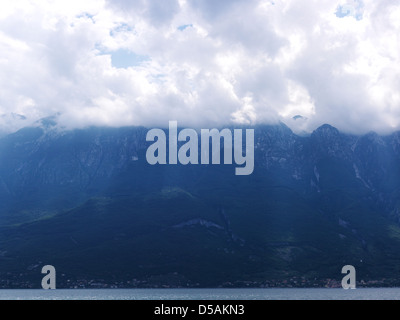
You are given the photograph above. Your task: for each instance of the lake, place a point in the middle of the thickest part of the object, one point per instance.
(203, 294)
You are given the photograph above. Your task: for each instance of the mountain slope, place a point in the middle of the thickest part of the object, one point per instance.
(87, 202)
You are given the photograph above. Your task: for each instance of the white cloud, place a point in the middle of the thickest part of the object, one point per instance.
(234, 61)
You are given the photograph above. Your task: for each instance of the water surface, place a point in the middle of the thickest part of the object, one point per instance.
(203, 294)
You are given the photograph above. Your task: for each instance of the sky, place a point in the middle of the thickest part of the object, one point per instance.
(203, 63)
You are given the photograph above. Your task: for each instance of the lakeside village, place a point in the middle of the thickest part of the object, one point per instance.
(20, 281)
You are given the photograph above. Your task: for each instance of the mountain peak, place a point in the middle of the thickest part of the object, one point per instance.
(298, 117)
(47, 122)
(326, 131)
(327, 128)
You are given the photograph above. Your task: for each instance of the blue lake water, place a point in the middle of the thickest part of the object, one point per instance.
(203, 294)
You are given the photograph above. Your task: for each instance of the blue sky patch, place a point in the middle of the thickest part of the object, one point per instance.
(124, 59)
(122, 27)
(185, 26)
(86, 15)
(354, 9)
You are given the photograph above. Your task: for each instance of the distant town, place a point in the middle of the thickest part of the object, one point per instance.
(12, 281)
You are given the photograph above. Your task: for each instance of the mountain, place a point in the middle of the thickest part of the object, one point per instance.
(87, 202)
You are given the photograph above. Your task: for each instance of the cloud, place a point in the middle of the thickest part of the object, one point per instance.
(158, 13)
(200, 62)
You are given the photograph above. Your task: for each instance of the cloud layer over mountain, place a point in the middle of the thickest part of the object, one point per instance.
(204, 63)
